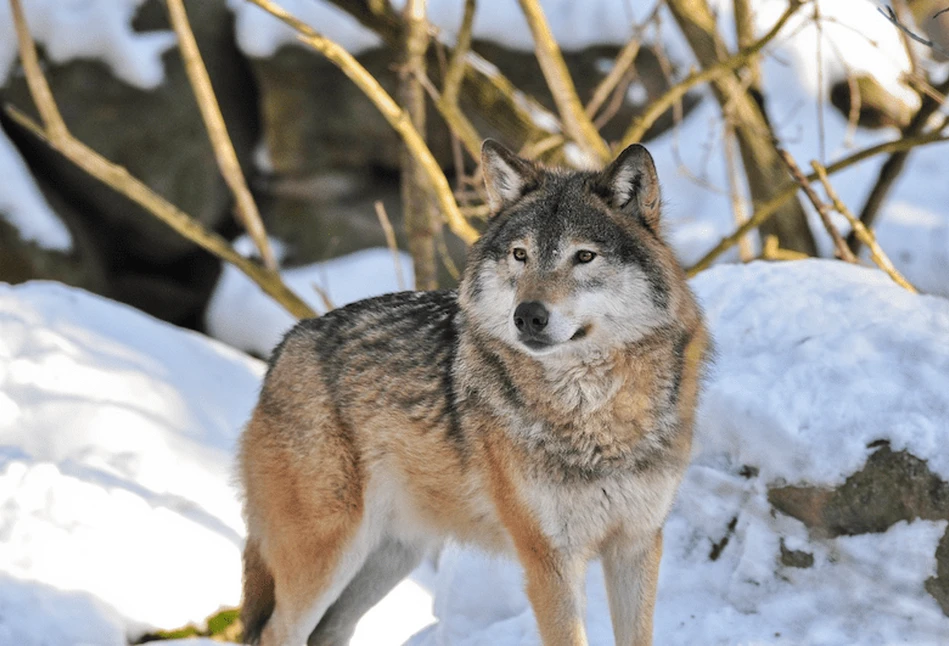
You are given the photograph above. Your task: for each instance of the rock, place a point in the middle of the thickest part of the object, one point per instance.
(82, 266)
(892, 486)
(876, 107)
(156, 134)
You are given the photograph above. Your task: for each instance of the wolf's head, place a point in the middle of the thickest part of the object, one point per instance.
(571, 261)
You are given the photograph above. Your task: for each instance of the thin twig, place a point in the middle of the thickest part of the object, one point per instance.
(657, 108)
(454, 118)
(324, 297)
(396, 117)
(738, 210)
(890, 15)
(900, 10)
(866, 236)
(623, 63)
(823, 210)
(456, 64)
(576, 123)
(617, 99)
(217, 132)
(771, 207)
(386, 225)
(894, 164)
(447, 262)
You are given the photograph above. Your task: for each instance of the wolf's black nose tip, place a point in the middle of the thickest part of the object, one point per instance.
(531, 317)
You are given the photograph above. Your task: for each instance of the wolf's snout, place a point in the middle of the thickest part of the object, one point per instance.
(531, 317)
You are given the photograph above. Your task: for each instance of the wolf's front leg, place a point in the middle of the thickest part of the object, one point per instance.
(631, 568)
(556, 592)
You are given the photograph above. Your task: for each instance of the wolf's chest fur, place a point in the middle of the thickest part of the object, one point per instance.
(583, 418)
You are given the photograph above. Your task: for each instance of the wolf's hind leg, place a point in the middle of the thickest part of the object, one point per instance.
(310, 571)
(386, 566)
(632, 573)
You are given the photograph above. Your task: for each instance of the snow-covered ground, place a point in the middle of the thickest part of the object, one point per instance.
(118, 514)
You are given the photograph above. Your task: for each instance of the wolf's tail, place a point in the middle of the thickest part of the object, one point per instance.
(258, 595)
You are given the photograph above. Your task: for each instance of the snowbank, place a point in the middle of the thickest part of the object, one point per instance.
(117, 438)
(118, 512)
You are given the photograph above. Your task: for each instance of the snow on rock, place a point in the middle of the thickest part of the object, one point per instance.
(574, 25)
(23, 206)
(117, 437)
(816, 359)
(242, 315)
(97, 29)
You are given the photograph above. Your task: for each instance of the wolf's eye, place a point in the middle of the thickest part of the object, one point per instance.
(520, 254)
(585, 256)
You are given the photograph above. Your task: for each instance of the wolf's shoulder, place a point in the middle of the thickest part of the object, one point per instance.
(393, 319)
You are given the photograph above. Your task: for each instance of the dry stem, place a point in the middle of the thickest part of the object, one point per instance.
(396, 117)
(386, 225)
(217, 132)
(866, 236)
(623, 63)
(576, 123)
(823, 210)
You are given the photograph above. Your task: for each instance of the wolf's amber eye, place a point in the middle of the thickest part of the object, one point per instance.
(520, 254)
(585, 256)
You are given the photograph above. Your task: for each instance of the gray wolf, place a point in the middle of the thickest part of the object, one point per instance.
(545, 409)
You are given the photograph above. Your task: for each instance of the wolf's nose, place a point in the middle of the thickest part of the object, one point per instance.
(531, 317)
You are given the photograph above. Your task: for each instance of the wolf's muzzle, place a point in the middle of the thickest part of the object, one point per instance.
(531, 318)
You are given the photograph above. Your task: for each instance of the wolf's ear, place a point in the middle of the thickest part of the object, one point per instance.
(631, 185)
(506, 176)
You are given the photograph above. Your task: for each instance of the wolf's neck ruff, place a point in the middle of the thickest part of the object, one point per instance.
(584, 416)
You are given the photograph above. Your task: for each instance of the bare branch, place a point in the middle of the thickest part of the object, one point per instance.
(865, 235)
(396, 117)
(120, 180)
(39, 88)
(577, 125)
(657, 108)
(217, 132)
(894, 164)
(823, 210)
(771, 207)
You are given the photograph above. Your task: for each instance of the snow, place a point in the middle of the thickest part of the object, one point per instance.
(89, 29)
(878, 352)
(23, 206)
(117, 437)
(242, 315)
